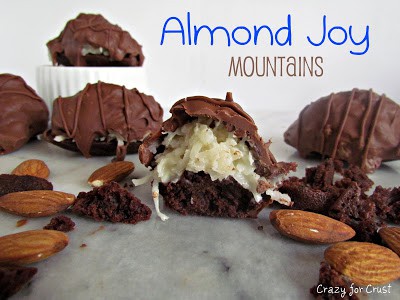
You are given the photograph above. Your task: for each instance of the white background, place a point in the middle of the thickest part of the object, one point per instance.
(175, 71)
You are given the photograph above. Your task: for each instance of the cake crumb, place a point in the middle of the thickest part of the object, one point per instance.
(21, 222)
(60, 223)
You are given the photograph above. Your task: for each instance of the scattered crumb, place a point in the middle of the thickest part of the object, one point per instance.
(344, 199)
(21, 222)
(260, 227)
(128, 185)
(61, 223)
(100, 228)
(83, 245)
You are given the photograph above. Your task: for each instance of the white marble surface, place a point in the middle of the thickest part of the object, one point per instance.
(182, 258)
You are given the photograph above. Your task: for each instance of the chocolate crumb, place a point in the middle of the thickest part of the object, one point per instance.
(14, 278)
(19, 183)
(344, 200)
(83, 245)
(61, 223)
(101, 227)
(112, 203)
(387, 202)
(21, 222)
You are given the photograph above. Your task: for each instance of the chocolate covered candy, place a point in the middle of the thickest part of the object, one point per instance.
(208, 159)
(23, 113)
(104, 119)
(358, 126)
(90, 40)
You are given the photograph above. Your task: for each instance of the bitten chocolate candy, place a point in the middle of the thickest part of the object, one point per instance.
(208, 159)
(358, 126)
(104, 119)
(90, 40)
(23, 113)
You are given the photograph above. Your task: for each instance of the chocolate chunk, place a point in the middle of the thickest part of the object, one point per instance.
(307, 198)
(387, 202)
(60, 223)
(18, 183)
(321, 177)
(111, 203)
(354, 174)
(344, 200)
(358, 211)
(13, 279)
(197, 194)
(23, 113)
(90, 40)
(94, 119)
(332, 285)
(359, 127)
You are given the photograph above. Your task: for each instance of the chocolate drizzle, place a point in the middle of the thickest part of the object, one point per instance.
(234, 118)
(23, 113)
(100, 110)
(89, 30)
(358, 126)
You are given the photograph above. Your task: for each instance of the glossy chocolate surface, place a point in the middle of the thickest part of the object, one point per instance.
(94, 31)
(234, 118)
(100, 110)
(23, 113)
(358, 126)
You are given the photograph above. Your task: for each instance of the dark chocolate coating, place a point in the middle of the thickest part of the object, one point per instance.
(358, 126)
(234, 118)
(96, 31)
(100, 109)
(23, 113)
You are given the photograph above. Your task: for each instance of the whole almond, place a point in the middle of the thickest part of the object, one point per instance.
(391, 236)
(31, 246)
(33, 167)
(364, 263)
(38, 203)
(310, 227)
(115, 171)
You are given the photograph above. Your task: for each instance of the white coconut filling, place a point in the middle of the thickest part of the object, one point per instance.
(89, 49)
(197, 147)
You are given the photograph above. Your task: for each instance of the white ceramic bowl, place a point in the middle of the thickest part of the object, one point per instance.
(55, 81)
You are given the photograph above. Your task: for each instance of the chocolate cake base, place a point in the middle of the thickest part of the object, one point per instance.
(13, 279)
(97, 60)
(19, 183)
(113, 203)
(98, 148)
(197, 194)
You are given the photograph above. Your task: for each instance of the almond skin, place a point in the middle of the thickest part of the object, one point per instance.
(38, 203)
(115, 171)
(31, 246)
(391, 236)
(33, 167)
(364, 263)
(310, 227)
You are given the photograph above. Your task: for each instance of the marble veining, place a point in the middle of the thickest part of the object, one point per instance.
(182, 258)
